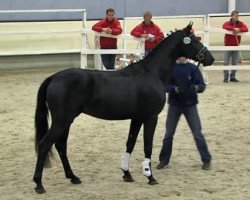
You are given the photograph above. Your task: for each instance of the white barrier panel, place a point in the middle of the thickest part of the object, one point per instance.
(42, 52)
(227, 67)
(240, 48)
(85, 51)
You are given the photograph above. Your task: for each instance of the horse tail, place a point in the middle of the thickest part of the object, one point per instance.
(41, 117)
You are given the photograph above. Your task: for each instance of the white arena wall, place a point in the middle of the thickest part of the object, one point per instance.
(65, 41)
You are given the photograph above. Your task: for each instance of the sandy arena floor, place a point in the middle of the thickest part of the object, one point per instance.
(95, 147)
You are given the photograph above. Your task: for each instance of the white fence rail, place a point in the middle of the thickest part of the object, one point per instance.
(41, 52)
(85, 50)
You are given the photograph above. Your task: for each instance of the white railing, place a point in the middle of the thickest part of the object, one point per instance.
(85, 50)
(127, 19)
(227, 48)
(40, 52)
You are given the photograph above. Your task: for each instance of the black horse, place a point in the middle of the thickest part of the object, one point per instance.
(136, 92)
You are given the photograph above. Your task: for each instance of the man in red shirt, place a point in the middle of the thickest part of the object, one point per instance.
(148, 30)
(109, 25)
(236, 27)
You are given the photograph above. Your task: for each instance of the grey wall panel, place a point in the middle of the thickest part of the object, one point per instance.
(243, 6)
(175, 7)
(130, 8)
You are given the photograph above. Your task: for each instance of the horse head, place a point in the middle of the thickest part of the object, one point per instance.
(192, 48)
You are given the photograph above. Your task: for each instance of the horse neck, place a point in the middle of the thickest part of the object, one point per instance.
(162, 58)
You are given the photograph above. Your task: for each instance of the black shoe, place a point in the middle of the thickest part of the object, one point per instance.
(161, 165)
(225, 80)
(206, 166)
(234, 80)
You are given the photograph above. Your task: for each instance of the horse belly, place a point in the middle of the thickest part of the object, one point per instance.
(111, 109)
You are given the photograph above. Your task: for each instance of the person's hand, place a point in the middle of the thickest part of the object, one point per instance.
(194, 88)
(144, 35)
(151, 39)
(176, 89)
(105, 30)
(109, 30)
(236, 30)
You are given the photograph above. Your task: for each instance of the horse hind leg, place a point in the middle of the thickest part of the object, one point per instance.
(43, 148)
(61, 146)
(135, 126)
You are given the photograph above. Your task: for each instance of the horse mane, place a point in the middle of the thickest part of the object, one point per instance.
(170, 37)
(159, 45)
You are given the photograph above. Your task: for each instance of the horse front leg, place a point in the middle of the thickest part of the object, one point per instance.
(135, 127)
(149, 129)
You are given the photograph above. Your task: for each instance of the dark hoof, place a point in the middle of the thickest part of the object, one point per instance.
(76, 180)
(152, 181)
(128, 178)
(40, 190)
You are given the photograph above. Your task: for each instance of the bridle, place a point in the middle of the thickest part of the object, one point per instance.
(201, 54)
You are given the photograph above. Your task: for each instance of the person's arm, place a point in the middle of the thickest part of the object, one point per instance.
(228, 26)
(243, 27)
(199, 83)
(98, 26)
(170, 87)
(117, 29)
(159, 34)
(136, 32)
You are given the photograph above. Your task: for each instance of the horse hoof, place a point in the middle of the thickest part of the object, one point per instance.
(76, 180)
(128, 178)
(153, 182)
(40, 190)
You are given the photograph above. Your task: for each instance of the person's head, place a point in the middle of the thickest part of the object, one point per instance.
(147, 17)
(110, 13)
(234, 16)
(182, 60)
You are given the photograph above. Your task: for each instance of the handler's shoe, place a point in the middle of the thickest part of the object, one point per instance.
(234, 80)
(162, 165)
(225, 80)
(206, 166)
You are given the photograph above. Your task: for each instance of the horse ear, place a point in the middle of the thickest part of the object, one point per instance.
(188, 29)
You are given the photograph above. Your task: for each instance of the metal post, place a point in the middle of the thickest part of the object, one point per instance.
(84, 56)
(124, 42)
(231, 5)
(84, 16)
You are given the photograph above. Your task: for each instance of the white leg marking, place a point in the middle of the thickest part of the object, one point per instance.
(146, 168)
(125, 161)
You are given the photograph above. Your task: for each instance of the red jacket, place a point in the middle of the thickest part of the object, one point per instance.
(230, 40)
(146, 29)
(114, 25)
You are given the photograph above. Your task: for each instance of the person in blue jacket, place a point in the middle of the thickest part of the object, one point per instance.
(186, 82)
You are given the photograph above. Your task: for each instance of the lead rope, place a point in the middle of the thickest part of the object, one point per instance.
(241, 57)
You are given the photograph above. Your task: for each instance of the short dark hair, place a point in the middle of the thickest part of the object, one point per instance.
(110, 10)
(235, 12)
(147, 14)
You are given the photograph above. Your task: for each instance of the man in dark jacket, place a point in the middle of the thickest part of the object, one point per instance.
(186, 82)
(233, 39)
(109, 25)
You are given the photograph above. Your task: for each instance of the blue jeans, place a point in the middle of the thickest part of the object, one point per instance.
(234, 55)
(108, 60)
(192, 117)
